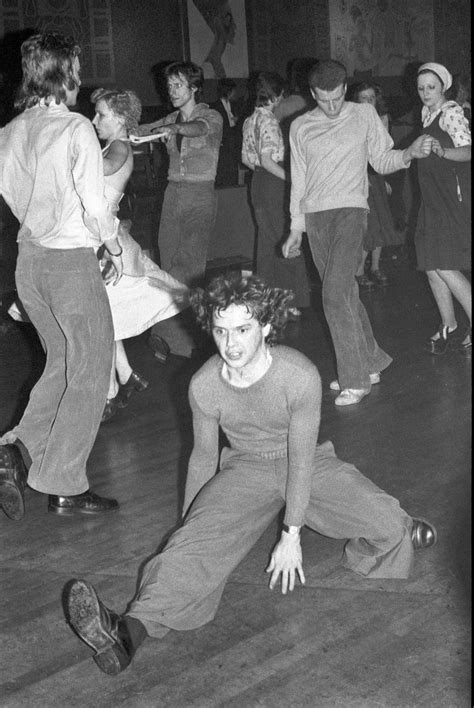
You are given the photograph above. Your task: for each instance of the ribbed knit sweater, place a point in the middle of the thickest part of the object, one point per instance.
(279, 413)
(329, 159)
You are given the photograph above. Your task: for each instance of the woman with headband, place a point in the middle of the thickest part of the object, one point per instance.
(443, 232)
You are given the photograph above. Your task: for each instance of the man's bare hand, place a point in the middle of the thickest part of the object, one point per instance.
(286, 560)
(421, 147)
(292, 246)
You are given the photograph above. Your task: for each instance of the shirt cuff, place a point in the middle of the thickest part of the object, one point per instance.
(298, 223)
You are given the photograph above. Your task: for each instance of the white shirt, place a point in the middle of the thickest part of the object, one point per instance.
(52, 178)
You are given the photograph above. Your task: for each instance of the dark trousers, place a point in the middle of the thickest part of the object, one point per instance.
(270, 205)
(335, 238)
(187, 219)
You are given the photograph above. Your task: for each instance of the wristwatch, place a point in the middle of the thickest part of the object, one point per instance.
(292, 530)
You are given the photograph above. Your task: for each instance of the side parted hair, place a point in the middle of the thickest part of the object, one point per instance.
(268, 87)
(123, 103)
(267, 305)
(191, 72)
(327, 75)
(48, 69)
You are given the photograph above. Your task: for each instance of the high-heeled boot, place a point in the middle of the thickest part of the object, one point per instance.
(134, 383)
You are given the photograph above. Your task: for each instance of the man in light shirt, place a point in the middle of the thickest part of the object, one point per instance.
(331, 147)
(51, 177)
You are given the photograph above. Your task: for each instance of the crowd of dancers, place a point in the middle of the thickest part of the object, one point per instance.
(86, 285)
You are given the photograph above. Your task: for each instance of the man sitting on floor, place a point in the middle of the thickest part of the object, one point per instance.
(267, 400)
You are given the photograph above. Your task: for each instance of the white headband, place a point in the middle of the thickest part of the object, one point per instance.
(440, 71)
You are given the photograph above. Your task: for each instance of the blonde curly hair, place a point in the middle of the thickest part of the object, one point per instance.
(123, 102)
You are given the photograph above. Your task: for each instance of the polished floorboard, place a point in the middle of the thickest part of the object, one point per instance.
(341, 640)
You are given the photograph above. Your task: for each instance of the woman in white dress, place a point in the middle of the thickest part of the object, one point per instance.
(145, 294)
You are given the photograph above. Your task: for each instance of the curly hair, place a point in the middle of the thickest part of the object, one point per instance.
(123, 103)
(267, 305)
(48, 64)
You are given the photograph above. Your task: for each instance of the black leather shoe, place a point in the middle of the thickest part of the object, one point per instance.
(100, 628)
(111, 409)
(423, 534)
(160, 348)
(134, 383)
(13, 476)
(86, 503)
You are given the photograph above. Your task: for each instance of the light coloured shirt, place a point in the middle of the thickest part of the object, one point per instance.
(261, 133)
(452, 120)
(276, 417)
(329, 158)
(52, 178)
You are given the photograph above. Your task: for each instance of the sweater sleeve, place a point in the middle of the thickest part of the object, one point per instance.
(298, 177)
(383, 158)
(205, 455)
(302, 441)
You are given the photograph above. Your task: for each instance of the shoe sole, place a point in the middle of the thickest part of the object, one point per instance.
(11, 501)
(84, 617)
(71, 512)
(345, 402)
(372, 383)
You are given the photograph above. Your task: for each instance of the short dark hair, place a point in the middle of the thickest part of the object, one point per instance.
(267, 305)
(122, 102)
(48, 68)
(192, 73)
(225, 87)
(327, 75)
(269, 86)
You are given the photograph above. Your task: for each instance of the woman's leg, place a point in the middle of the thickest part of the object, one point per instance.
(444, 300)
(460, 287)
(113, 384)
(122, 365)
(376, 258)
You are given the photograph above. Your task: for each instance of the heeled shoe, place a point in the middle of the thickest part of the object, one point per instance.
(111, 409)
(159, 347)
(364, 282)
(464, 346)
(379, 277)
(443, 342)
(101, 629)
(135, 383)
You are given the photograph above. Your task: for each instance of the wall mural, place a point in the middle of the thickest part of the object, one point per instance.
(218, 37)
(380, 37)
(88, 21)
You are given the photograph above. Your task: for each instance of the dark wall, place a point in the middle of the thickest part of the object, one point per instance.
(148, 32)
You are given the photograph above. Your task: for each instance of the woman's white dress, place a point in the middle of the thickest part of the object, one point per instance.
(145, 294)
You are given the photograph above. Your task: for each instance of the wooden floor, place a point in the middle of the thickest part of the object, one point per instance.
(339, 641)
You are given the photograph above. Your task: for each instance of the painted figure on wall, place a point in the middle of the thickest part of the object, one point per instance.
(218, 17)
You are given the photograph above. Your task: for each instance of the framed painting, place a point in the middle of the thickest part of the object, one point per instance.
(217, 37)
